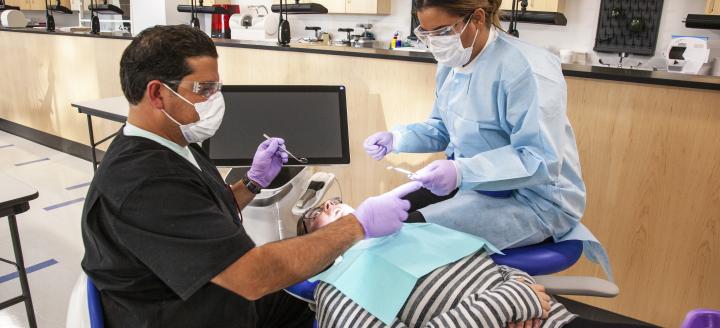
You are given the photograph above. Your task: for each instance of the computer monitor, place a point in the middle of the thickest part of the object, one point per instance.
(311, 119)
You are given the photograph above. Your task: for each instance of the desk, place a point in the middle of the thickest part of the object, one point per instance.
(114, 109)
(14, 199)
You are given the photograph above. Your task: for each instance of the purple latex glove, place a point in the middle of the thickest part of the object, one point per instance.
(440, 177)
(383, 215)
(379, 144)
(268, 161)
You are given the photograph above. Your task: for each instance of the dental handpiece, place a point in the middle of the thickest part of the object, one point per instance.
(302, 160)
(410, 174)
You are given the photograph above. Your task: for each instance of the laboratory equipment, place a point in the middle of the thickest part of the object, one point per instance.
(689, 55)
(317, 35)
(221, 22)
(628, 26)
(296, 8)
(367, 38)
(349, 39)
(253, 23)
(313, 119)
(199, 8)
(49, 9)
(301, 160)
(3, 6)
(703, 21)
(101, 9)
(12, 18)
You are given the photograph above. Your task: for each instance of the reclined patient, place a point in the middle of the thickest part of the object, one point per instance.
(471, 292)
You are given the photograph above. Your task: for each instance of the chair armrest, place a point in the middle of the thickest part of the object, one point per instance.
(578, 285)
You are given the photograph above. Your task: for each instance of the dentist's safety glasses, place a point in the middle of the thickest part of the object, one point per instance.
(424, 35)
(205, 89)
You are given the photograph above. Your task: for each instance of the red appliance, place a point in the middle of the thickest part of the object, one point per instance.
(221, 23)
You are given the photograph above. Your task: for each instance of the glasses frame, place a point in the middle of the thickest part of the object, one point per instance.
(197, 87)
(309, 216)
(424, 35)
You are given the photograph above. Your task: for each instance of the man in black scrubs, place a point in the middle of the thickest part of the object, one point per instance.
(164, 243)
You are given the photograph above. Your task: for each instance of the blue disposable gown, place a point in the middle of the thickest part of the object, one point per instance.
(504, 121)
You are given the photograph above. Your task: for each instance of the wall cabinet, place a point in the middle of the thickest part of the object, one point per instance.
(713, 7)
(34, 4)
(365, 7)
(538, 5)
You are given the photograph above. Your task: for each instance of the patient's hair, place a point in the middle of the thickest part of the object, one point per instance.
(160, 53)
(464, 8)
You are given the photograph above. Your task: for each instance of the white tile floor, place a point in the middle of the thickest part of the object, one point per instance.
(44, 234)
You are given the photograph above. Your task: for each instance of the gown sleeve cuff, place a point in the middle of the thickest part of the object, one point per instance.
(458, 170)
(396, 140)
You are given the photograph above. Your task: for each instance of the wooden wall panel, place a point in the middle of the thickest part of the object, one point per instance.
(651, 161)
(650, 154)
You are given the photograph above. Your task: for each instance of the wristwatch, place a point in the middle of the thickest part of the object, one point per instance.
(251, 185)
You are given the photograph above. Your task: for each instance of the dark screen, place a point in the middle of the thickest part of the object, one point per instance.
(677, 53)
(312, 122)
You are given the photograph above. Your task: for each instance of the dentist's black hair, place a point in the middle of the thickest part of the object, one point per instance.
(160, 53)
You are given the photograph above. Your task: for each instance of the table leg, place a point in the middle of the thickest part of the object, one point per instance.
(92, 143)
(21, 271)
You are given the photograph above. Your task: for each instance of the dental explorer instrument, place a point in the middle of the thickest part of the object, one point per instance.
(302, 160)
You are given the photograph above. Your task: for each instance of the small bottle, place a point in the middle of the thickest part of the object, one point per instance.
(393, 43)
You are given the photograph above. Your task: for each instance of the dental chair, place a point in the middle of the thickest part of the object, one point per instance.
(540, 261)
(273, 216)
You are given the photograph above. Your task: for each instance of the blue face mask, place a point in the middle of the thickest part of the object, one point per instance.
(211, 114)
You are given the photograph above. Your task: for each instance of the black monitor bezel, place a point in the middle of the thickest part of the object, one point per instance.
(344, 136)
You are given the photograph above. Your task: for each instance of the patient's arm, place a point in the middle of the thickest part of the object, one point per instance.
(509, 273)
(511, 301)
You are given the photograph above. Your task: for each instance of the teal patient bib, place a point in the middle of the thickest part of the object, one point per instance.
(379, 274)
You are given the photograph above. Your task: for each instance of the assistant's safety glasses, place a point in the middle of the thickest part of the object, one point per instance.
(423, 34)
(205, 89)
(309, 216)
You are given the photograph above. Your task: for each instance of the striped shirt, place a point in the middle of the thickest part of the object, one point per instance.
(472, 292)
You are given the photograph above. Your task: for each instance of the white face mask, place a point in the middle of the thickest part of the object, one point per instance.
(211, 114)
(448, 49)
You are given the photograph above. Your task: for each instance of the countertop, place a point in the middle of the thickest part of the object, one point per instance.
(582, 71)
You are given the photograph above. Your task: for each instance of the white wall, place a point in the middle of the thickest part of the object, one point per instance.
(579, 34)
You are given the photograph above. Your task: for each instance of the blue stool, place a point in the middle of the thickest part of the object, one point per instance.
(541, 259)
(95, 309)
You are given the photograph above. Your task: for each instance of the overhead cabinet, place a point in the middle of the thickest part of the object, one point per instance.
(368, 7)
(538, 5)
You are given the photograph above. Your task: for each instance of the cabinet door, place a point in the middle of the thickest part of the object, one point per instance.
(538, 5)
(372, 7)
(546, 5)
(21, 3)
(333, 6)
(37, 4)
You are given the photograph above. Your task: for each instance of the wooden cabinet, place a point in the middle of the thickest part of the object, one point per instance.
(374, 7)
(538, 5)
(365, 7)
(333, 6)
(35, 4)
(713, 7)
